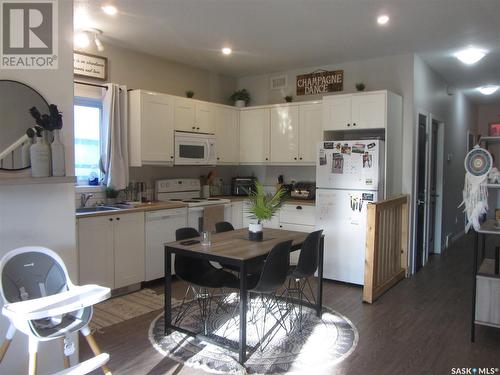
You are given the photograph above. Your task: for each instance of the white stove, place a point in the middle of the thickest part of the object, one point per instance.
(186, 190)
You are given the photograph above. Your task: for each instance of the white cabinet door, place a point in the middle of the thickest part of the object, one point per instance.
(369, 111)
(299, 214)
(95, 251)
(184, 114)
(284, 134)
(227, 135)
(337, 112)
(310, 131)
(205, 117)
(157, 136)
(237, 215)
(129, 248)
(254, 135)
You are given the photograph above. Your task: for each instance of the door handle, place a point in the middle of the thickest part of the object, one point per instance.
(420, 202)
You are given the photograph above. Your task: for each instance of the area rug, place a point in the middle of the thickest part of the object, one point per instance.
(322, 343)
(119, 309)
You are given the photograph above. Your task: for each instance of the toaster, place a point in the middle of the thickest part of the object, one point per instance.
(242, 185)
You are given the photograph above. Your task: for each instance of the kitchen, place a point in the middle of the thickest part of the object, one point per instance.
(336, 133)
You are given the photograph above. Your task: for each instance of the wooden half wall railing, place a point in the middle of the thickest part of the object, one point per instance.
(386, 246)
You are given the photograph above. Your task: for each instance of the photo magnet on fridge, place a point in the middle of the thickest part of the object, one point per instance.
(367, 160)
(358, 148)
(338, 164)
(346, 149)
(328, 145)
(371, 145)
(322, 157)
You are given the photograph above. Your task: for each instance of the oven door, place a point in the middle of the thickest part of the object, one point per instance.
(191, 151)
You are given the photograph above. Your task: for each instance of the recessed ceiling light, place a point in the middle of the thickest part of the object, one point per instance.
(488, 90)
(110, 10)
(470, 56)
(383, 19)
(81, 40)
(227, 51)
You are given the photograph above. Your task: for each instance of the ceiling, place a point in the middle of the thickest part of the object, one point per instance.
(276, 35)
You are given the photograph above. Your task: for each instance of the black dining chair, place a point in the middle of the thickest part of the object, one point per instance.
(201, 276)
(306, 267)
(264, 286)
(253, 267)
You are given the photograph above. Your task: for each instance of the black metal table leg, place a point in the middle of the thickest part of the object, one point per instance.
(319, 298)
(474, 271)
(168, 288)
(242, 354)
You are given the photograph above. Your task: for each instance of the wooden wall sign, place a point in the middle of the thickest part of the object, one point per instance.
(90, 66)
(320, 82)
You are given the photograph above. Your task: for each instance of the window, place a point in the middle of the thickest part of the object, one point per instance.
(88, 118)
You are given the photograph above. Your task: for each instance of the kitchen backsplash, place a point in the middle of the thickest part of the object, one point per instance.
(268, 175)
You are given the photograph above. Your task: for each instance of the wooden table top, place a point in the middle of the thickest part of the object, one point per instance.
(236, 245)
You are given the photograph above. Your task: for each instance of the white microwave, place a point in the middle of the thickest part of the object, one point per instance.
(194, 148)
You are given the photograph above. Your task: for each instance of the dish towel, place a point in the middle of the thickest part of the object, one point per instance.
(211, 216)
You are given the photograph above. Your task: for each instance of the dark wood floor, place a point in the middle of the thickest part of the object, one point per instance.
(421, 326)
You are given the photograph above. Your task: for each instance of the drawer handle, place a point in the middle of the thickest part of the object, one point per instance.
(299, 207)
(117, 218)
(110, 219)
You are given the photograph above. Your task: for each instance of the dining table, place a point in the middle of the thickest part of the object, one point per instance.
(234, 248)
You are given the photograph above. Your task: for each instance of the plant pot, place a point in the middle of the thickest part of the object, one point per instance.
(255, 232)
(240, 103)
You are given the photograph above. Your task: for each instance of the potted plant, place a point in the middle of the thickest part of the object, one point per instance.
(360, 86)
(288, 98)
(263, 207)
(240, 98)
(189, 93)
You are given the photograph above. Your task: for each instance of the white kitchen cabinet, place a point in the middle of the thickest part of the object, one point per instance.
(194, 116)
(111, 249)
(299, 218)
(367, 110)
(254, 135)
(95, 251)
(336, 112)
(227, 135)
(237, 214)
(151, 117)
(310, 131)
(284, 134)
(129, 249)
(184, 114)
(160, 229)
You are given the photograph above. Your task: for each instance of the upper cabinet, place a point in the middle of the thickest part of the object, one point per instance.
(310, 131)
(227, 135)
(355, 111)
(284, 134)
(254, 135)
(151, 117)
(194, 116)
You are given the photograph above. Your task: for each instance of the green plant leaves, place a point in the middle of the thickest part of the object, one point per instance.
(264, 206)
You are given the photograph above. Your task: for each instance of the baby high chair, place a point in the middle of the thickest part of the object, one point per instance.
(41, 301)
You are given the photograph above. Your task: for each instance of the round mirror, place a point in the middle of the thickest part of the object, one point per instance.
(16, 99)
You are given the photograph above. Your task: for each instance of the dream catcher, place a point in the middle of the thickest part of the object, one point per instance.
(478, 163)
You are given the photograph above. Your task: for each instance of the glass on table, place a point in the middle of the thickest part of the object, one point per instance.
(205, 238)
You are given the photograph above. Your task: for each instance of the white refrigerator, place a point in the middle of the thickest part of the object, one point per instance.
(349, 175)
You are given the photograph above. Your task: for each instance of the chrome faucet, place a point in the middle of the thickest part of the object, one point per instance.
(84, 199)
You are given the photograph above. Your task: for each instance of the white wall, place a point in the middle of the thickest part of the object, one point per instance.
(459, 114)
(141, 71)
(43, 214)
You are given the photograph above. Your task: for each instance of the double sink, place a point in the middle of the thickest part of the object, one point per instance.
(111, 207)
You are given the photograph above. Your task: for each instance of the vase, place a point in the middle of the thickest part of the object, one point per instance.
(40, 158)
(25, 153)
(255, 232)
(240, 103)
(57, 151)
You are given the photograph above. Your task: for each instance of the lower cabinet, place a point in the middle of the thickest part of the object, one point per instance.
(237, 214)
(111, 250)
(299, 218)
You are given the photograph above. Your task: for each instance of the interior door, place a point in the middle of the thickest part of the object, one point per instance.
(421, 193)
(432, 197)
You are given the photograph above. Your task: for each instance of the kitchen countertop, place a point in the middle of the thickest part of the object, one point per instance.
(153, 206)
(237, 198)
